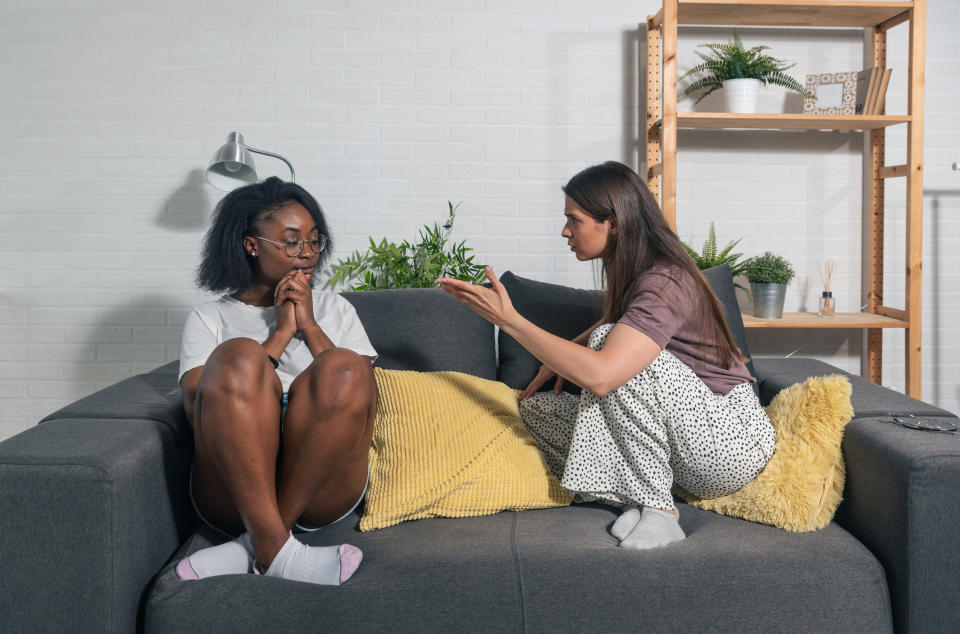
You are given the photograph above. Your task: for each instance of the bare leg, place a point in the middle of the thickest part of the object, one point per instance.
(327, 432)
(237, 436)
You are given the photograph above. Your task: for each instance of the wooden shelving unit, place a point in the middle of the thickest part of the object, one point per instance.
(661, 122)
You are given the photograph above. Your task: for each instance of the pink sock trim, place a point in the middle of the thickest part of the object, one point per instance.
(185, 571)
(350, 557)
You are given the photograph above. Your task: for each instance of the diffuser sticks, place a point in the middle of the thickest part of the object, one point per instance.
(827, 305)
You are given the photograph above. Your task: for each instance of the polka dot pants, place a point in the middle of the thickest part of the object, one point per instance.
(662, 426)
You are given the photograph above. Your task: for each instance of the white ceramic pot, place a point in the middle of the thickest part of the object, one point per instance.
(741, 94)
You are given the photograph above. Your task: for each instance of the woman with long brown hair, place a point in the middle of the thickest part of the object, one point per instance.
(666, 395)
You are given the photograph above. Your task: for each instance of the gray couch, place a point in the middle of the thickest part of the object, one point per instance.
(94, 514)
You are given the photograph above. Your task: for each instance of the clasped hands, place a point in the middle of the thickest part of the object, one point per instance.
(494, 305)
(293, 301)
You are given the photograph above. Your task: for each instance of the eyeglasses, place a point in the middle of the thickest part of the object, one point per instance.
(924, 424)
(293, 248)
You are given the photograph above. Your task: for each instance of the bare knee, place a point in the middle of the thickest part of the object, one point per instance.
(236, 368)
(338, 378)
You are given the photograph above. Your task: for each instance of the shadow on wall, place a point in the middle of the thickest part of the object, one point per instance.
(830, 345)
(633, 138)
(931, 336)
(187, 209)
(135, 338)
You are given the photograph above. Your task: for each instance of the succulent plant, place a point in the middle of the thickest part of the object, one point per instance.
(768, 269)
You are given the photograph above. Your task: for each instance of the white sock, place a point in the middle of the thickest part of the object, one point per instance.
(626, 522)
(326, 565)
(656, 528)
(231, 558)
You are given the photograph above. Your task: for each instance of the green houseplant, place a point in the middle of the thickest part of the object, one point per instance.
(405, 265)
(768, 275)
(740, 72)
(711, 256)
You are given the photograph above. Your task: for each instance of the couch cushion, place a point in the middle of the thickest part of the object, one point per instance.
(721, 283)
(868, 399)
(448, 444)
(728, 575)
(425, 329)
(567, 312)
(560, 310)
(553, 570)
(434, 575)
(800, 487)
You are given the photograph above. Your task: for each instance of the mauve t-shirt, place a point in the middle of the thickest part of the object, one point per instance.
(661, 306)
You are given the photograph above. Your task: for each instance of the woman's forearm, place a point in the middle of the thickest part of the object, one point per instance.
(584, 336)
(570, 359)
(317, 340)
(624, 355)
(276, 343)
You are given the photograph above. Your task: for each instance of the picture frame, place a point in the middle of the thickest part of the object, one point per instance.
(834, 93)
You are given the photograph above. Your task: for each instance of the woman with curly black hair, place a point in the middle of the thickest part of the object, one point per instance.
(278, 386)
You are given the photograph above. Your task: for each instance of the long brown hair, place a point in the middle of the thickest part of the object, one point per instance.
(612, 191)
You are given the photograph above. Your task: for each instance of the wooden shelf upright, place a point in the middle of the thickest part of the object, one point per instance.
(661, 122)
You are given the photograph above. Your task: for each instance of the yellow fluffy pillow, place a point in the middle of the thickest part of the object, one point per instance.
(448, 444)
(802, 485)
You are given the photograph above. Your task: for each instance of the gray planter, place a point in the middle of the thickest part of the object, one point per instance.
(768, 300)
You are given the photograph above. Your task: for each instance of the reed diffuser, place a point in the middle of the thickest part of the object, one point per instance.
(827, 305)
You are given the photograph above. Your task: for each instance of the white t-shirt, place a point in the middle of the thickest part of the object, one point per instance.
(211, 323)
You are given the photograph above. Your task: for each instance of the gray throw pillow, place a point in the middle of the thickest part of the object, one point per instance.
(566, 312)
(560, 310)
(721, 283)
(424, 329)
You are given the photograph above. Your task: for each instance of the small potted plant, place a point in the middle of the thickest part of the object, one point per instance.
(711, 256)
(768, 275)
(740, 72)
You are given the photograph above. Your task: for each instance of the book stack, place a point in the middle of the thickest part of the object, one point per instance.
(871, 90)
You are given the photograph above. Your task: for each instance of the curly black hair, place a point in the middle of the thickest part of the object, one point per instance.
(225, 266)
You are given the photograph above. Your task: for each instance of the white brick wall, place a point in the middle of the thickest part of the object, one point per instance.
(109, 111)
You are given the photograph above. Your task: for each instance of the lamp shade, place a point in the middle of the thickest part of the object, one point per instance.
(231, 165)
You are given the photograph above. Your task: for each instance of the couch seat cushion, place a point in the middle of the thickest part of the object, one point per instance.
(552, 570)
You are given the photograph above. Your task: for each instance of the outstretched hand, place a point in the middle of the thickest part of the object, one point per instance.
(493, 304)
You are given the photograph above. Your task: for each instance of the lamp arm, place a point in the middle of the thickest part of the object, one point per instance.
(293, 178)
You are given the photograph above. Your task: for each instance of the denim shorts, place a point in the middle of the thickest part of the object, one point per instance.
(297, 526)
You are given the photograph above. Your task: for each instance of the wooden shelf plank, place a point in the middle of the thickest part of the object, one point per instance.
(802, 13)
(780, 121)
(813, 320)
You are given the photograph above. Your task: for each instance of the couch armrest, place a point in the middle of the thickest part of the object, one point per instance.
(90, 510)
(902, 501)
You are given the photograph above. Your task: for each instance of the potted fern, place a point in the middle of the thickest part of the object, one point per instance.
(711, 256)
(768, 275)
(740, 72)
